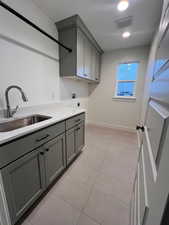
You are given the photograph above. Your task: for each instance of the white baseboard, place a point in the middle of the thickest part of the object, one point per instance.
(112, 126)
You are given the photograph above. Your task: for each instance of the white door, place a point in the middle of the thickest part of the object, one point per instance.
(155, 142)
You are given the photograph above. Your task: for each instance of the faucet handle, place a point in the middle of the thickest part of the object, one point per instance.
(15, 110)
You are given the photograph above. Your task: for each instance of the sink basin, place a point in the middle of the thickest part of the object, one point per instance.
(23, 122)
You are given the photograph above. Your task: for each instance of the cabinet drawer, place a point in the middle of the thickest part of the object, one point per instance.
(157, 121)
(142, 191)
(75, 120)
(15, 149)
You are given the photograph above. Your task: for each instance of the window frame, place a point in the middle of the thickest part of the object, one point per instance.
(120, 81)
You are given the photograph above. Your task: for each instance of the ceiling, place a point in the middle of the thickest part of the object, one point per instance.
(99, 16)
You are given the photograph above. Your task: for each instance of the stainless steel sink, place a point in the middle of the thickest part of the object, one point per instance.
(23, 122)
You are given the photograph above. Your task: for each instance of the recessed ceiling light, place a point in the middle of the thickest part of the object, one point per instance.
(126, 34)
(123, 5)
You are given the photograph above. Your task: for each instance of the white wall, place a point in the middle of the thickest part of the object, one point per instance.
(110, 112)
(30, 60)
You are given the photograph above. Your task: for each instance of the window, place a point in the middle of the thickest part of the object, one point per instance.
(126, 80)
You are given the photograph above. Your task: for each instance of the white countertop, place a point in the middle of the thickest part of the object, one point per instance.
(58, 113)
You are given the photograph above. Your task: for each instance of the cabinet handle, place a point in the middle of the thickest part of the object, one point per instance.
(42, 138)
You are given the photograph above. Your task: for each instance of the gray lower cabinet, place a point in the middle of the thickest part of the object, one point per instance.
(27, 175)
(55, 161)
(80, 137)
(25, 179)
(70, 145)
(75, 140)
(24, 182)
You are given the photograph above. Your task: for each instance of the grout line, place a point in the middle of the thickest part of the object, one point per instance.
(96, 221)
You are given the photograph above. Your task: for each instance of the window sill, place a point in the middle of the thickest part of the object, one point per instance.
(117, 98)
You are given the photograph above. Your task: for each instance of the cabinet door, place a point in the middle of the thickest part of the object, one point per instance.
(23, 183)
(80, 53)
(54, 158)
(80, 137)
(70, 145)
(87, 58)
(93, 66)
(97, 66)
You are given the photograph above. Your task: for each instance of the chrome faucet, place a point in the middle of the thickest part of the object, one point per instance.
(11, 112)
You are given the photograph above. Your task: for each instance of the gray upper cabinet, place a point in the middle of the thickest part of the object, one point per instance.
(54, 158)
(24, 182)
(84, 60)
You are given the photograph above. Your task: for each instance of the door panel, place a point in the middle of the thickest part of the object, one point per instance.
(157, 120)
(162, 55)
(144, 207)
(132, 209)
(138, 195)
(159, 87)
(87, 58)
(80, 53)
(79, 137)
(23, 183)
(70, 145)
(148, 168)
(54, 158)
(93, 61)
(97, 66)
(135, 202)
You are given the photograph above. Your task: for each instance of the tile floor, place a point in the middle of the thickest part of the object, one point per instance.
(96, 189)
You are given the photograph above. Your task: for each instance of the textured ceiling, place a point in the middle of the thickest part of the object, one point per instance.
(100, 17)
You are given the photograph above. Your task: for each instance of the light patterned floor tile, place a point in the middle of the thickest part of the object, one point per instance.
(96, 188)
